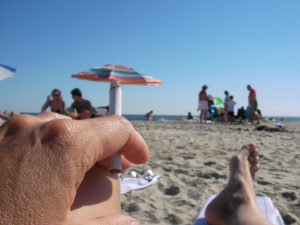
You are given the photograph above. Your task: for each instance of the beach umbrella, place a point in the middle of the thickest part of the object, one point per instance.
(6, 71)
(116, 75)
(217, 101)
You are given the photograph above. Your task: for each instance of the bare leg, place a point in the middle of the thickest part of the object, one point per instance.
(201, 115)
(205, 115)
(252, 118)
(236, 204)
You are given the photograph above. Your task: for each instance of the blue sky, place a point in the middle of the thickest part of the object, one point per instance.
(224, 44)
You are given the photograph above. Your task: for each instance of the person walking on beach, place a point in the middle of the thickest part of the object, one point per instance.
(203, 103)
(83, 107)
(252, 103)
(56, 104)
(226, 100)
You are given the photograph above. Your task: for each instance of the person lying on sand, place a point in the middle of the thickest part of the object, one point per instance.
(54, 171)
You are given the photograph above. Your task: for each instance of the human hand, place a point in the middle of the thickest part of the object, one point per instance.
(54, 170)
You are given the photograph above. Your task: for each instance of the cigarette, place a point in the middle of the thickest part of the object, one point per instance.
(114, 163)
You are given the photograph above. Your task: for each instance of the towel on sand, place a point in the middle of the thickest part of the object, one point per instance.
(264, 203)
(128, 183)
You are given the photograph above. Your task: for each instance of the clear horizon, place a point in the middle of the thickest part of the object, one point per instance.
(225, 45)
(196, 114)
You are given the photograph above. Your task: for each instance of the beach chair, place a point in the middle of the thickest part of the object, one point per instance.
(264, 203)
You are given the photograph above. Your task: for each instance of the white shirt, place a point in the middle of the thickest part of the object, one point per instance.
(231, 104)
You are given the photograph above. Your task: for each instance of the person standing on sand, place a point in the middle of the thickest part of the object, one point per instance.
(226, 100)
(203, 103)
(56, 104)
(252, 103)
(230, 105)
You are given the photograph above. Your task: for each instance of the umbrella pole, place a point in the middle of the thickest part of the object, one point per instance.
(115, 108)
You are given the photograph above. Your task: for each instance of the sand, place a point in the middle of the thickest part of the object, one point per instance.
(193, 159)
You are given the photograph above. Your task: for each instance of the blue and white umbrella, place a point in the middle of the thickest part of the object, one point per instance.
(6, 71)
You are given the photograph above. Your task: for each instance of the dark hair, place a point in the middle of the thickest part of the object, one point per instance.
(226, 92)
(77, 92)
(204, 87)
(55, 90)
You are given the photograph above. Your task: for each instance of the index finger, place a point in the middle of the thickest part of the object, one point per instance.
(94, 140)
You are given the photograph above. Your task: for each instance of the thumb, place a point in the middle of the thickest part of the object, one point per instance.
(116, 219)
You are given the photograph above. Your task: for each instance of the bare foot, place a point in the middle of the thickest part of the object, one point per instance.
(236, 204)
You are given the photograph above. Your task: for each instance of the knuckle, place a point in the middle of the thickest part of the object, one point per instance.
(56, 139)
(122, 120)
(17, 124)
(56, 131)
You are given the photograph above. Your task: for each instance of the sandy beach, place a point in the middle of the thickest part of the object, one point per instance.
(193, 161)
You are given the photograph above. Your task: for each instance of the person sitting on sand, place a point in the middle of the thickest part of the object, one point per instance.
(83, 107)
(56, 104)
(241, 114)
(149, 116)
(72, 185)
(191, 117)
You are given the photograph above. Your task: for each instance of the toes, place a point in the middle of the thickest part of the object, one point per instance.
(253, 170)
(252, 155)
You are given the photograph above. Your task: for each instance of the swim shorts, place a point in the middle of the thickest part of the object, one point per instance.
(253, 105)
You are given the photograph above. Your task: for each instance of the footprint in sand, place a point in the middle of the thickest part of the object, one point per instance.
(152, 217)
(173, 219)
(211, 175)
(210, 163)
(261, 182)
(173, 190)
(132, 207)
(180, 171)
(288, 219)
(290, 196)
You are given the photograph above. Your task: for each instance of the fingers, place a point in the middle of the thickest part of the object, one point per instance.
(17, 124)
(134, 154)
(24, 122)
(108, 135)
(94, 140)
(80, 144)
(47, 116)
